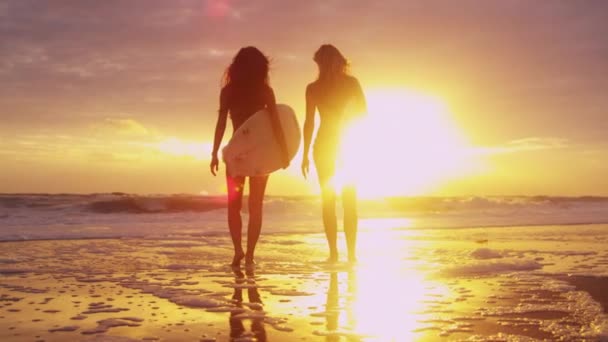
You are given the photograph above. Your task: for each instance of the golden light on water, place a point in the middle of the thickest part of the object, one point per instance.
(385, 296)
(407, 144)
(387, 306)
(384, 223)
(388, 297)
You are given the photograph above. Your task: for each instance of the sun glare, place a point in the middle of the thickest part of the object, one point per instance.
(389, 289)
(407, 144)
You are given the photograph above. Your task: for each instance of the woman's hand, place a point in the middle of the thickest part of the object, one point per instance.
(305, 167)
(215, 164)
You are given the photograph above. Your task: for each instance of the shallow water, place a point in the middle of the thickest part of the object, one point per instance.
(40, 216)
(409, 285)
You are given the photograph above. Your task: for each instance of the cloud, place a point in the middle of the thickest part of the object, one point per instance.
(111, 157)
(176, 147)
(536, 143)
(114, 140)
(124, 127)
(526, 144)
(60, 58)
(22, 56)
(198, 53)
(93, 66)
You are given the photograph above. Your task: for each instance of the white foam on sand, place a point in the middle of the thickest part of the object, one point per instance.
(575, 316)
(287, 292)
(586, 311)
(105, 324)
(197, 301)
(491, 267)
(486, 253)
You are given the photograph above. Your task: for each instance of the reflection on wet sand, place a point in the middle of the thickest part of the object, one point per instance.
(375, 305)
(237, 327)
(332, 307)
(385, 296)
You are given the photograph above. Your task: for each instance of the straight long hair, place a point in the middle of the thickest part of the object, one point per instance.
(332, 64)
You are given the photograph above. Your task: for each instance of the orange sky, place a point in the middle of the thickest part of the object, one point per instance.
(122, 95)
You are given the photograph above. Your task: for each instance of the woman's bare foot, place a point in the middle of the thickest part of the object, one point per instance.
(236, 260)
(249, 262)
(333, 257)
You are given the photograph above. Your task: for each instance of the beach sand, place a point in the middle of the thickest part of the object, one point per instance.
(501, 284)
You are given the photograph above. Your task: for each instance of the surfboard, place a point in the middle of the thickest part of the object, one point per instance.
(254, 150)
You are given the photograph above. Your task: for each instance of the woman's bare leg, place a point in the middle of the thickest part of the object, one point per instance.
(349, 201)
(257, 188)
(325, 165)
(235, 200)
(330, 221)
(325, 171)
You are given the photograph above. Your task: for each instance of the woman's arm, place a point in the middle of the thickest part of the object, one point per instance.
(309, 126)
(271, 106)
(220, 128)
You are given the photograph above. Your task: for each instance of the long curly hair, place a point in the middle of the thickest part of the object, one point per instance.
(331, 62)
(248, 68)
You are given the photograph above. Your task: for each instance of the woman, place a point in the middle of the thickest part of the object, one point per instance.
(245, 92)
(330, 94)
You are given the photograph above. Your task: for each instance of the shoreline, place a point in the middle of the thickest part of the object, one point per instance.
(215, 233)
(596, 287)
(421, 285)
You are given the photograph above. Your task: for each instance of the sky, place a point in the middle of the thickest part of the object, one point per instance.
(101, 96)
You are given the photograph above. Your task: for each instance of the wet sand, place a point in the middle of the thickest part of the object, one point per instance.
(407, 286)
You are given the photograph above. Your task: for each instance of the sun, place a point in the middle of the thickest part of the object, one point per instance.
(407, 144)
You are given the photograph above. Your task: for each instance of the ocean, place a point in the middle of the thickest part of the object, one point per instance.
(124, 267)
(117, 215)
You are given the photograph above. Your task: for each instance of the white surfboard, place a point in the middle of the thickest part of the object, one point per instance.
(254, 149)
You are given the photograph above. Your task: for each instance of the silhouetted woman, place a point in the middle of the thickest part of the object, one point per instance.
(245, 92)
(330, 94)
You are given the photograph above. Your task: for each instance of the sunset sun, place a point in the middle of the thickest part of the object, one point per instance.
(407, 144)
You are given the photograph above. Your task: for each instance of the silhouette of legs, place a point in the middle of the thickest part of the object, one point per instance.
(330, 221)
(332, 307)
(324, 158)
(235, 201)
(257, 187)
(257, 324)
(237, 328)
(236, 325)
(325, 164)
(349, 202)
